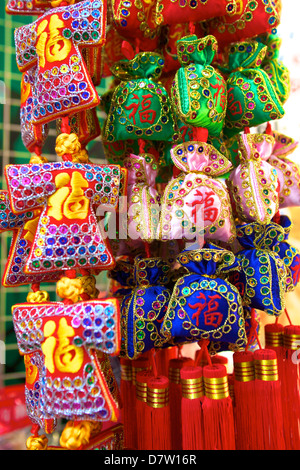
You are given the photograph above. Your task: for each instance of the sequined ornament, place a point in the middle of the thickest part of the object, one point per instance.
(262, 279)
(170, 34)
(33, 137)
(195, 10)
(140, 107)
(199, 92)
(252, 98)
(53, 44)
(143, 200)
(135, 20)
(196, 203)
(34, 365)
(68, 344)
(289, 254)
(142, 310)
(277, 71)
(253, 184)
(204, 305)
(68, 195)
(287, 170)
(251, 18)
(32, 7)
(23, 227)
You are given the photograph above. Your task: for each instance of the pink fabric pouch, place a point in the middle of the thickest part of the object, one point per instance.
(196, 204)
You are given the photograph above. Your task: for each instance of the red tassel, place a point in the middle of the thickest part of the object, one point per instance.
(268, 406)
(157, 415)
(217, 409)
(244, 397)
(191, 408)
(163, 357)
(142, 379)
(126, 392)
(175, 365)
(269, 129)
(200, 134)
(130, 436)
(291, 386)
(274, 341)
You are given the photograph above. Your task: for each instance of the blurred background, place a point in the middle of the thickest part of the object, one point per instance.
(12, 372)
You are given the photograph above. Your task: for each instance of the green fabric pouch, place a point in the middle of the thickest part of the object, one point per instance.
(199, 91)
(140, 107)
(252, 98)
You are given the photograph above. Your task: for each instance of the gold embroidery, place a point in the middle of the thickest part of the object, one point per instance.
(72, 205)
(59, 352)
(52, 46)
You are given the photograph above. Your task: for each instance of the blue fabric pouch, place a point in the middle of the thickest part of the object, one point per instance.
(204, 305)
(262, 279)
(143, 310)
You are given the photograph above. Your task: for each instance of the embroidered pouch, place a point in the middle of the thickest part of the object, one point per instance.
(143, 200)
(140, 107)
(199, 92)
(204, 305)
(23, 227)
(143, 310)
(289, 254)
(196, 203)
(194, 10)
(53, 44)
(288, 171)
(33, 137)
(136, 20)
(69, 195)
(262, 279)
(251, 18)
(253, 184)
(277, 72)
(251, 97)
(169, 36)
(73, 341)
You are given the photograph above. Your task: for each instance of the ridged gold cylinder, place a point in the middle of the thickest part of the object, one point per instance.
(266, 370)
(192, 388)
(158, 392)
(216, 388)
(174, 375)
(291, 341)
(126, 372)
(244, 371)
(274, 336)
